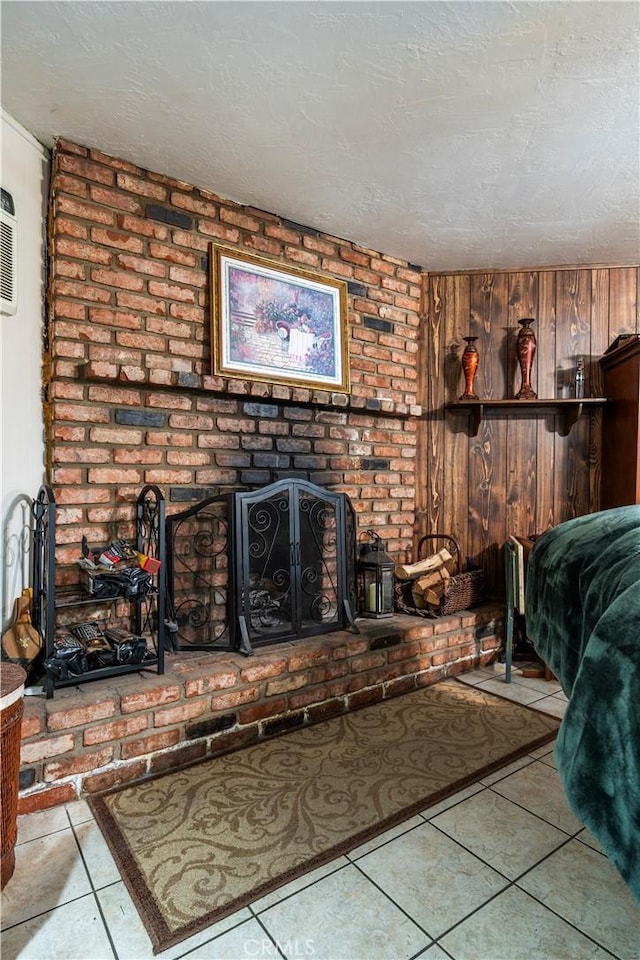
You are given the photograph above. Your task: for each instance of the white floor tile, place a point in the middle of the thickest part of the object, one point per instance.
(547, 688)
(97, 856)
(549, 760)
(582, 886)
(306, 880)
(385, 837)
(429, 812)
(498, 668)
(586, 837)
(79, 811)
(74, 931)
(501, 833)
(343, 917)
(48, 872)
(516, 927)
(506, 771)
(511, 691)
(537, 788)
(244, 942)
(551, 705)
(130, 937)
(544, 751)
(41, 824)
(431, 877)
(434, 952)
(474, 677)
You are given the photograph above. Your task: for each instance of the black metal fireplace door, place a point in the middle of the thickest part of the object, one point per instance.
(259, 567)
(294, 573)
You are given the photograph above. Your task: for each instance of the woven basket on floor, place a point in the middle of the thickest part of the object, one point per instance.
(463, 590)
(12, 680)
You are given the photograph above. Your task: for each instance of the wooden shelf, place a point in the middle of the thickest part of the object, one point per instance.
(571, 410)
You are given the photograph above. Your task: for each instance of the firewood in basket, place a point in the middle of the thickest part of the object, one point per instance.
(409, 571)
(435, 580)
(432, 598)
(429, 589)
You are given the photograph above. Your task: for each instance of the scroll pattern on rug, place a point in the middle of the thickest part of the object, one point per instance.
(205, 840)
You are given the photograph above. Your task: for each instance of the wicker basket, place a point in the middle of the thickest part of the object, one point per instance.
(463, 590)
(12, 680)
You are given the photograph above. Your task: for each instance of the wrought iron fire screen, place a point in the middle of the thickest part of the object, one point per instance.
(256, 567)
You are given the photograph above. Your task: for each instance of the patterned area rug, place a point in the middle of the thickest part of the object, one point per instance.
(199, 843)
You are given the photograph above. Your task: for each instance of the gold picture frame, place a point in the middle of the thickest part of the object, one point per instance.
(277, 324)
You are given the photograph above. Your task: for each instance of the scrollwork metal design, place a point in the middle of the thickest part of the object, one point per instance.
(256, 567)
(198, 547)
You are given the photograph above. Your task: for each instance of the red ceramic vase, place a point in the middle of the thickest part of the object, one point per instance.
(526, 351)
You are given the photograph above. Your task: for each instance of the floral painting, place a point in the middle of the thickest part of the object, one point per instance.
(277, 323)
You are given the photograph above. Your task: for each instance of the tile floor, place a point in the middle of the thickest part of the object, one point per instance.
(500, 871)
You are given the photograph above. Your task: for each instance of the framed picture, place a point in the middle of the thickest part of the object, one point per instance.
(277, 323)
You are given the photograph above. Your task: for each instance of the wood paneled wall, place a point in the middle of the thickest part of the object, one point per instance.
(518, 475)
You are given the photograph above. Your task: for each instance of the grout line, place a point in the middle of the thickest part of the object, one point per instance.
(402, 910)
(41, 836)
(538, 816)
(45, 913)
(475, 855)
(494, 896)
(205, 943)
(528, 761)
(94, 890)
(342, 866)
(267, 934)
(422, 950)
(515, 884)
(381, 846)
(559, 915)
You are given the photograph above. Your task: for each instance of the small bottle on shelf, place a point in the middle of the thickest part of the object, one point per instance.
(579, 379)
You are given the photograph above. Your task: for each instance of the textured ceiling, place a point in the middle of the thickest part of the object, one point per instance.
(455, 135)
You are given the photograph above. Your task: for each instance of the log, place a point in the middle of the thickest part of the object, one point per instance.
(431, 598)
(429, 589)
(432, 580)
(409, 571)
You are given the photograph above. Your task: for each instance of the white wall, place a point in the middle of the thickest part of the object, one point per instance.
(24, 172)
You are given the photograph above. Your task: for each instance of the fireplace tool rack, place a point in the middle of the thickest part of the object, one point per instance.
(56, 607)
(254, 567)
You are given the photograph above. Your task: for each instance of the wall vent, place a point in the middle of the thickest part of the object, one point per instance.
(8, 246)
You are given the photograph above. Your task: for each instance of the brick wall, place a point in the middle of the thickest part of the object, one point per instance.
(130, 397)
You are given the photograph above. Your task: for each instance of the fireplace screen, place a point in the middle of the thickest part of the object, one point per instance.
(259, 567)
(198, 579)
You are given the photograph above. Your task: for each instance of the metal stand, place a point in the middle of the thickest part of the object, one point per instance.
(149, 614)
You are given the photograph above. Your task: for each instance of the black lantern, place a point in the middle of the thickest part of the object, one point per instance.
(376, 578)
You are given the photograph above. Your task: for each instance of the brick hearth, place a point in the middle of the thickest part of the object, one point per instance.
(114, 731)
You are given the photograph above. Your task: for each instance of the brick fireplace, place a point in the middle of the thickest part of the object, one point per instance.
(130, 396)
(130, 400)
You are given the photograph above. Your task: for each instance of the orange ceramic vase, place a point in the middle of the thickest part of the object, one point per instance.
(470, 361)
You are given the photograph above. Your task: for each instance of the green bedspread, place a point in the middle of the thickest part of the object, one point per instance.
(583, 618)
